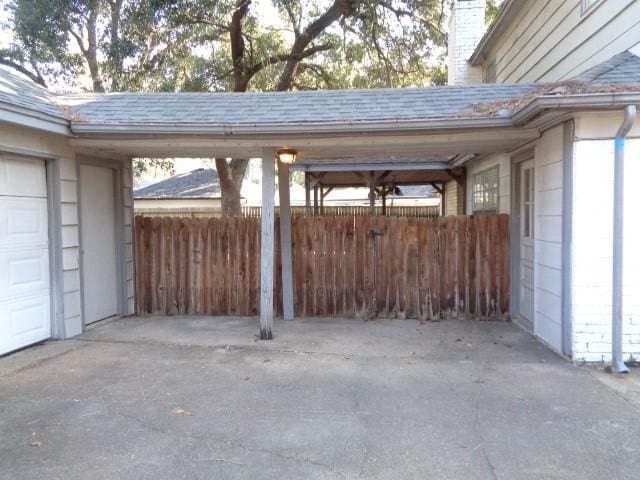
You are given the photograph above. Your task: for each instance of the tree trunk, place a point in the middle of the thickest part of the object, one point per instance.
(115, 47)
(91, 53)
(231, 175)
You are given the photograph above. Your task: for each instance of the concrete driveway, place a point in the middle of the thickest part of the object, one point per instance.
(201, 398)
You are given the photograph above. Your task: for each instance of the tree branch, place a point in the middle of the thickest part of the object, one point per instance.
(338, 9)
(286, 57)
(237, 43)
(36, 77)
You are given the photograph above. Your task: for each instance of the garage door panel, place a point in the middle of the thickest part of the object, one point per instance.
(22, 177)
(24, 321)
(23, 222)
(23, 272)
(25, 306)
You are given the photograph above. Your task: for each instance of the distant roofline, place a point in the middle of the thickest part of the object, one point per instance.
(216, 196)
(508, 10)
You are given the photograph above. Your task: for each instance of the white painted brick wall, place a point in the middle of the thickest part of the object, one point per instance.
(466, 28)
(593, 223)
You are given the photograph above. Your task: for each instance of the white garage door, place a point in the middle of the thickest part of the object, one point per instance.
(24, 254)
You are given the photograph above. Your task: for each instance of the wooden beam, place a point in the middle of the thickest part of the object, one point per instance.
(458, 174)
(286, 254)
(307, 193)
(372, 199)
(437, 188)
(267, 244)
(315, 199)
(384, 203)
(313, 180)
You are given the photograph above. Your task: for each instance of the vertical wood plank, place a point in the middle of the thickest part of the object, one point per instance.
(267, 244)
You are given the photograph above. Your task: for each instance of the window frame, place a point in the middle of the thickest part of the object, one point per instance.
(528, 202)
(587, 6)
(480, 188)
(490, 73)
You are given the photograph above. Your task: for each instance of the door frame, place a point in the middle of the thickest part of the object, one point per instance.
(54, 224)
(118, 205)
(515, 226)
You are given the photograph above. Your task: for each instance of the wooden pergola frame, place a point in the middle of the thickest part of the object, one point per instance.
(380, 178)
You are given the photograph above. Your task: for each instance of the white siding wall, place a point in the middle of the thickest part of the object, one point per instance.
(127, 202)
(70, 245)
(549, 154)
(592, 248)
(552, 40)
(503, 161)
(42, 145)
(451, 198)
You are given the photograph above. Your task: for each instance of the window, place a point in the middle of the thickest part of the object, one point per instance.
(528, 188)
(490, 73)
(587, 5)
(485, 191)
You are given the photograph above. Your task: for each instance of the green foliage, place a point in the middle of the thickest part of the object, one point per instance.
(297, 177)
(153, 165)
(492, 11)
(172, 45)
(229, 45)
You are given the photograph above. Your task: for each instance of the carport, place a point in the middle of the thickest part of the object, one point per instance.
(510, 129)
(337, 132)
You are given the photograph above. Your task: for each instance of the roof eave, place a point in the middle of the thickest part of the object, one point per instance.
(589, 101)
(509, 10)
(293, 128)
(26, 117)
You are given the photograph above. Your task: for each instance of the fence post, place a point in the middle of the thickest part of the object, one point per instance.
(267, 243)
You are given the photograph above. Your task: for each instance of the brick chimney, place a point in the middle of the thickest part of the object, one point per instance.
(466, 28)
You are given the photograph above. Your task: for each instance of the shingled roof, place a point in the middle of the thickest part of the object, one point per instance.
(623, 68)
(18, 91)
(286, 107)
(199, 183)
(277, 112)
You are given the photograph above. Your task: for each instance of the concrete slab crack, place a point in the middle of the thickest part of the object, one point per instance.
(230, 443)
(476, 424)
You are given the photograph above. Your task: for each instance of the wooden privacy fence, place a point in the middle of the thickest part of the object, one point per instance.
(343, 266)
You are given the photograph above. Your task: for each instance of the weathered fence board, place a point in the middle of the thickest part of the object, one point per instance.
(349, 266)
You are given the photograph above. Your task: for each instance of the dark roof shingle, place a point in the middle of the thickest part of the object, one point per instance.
(200, 183)
(325, 106)
(623, 68)
(19, 91)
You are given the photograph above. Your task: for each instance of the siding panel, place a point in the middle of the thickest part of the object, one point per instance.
(551, 40)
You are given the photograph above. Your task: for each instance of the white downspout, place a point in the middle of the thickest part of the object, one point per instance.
(618, 240)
